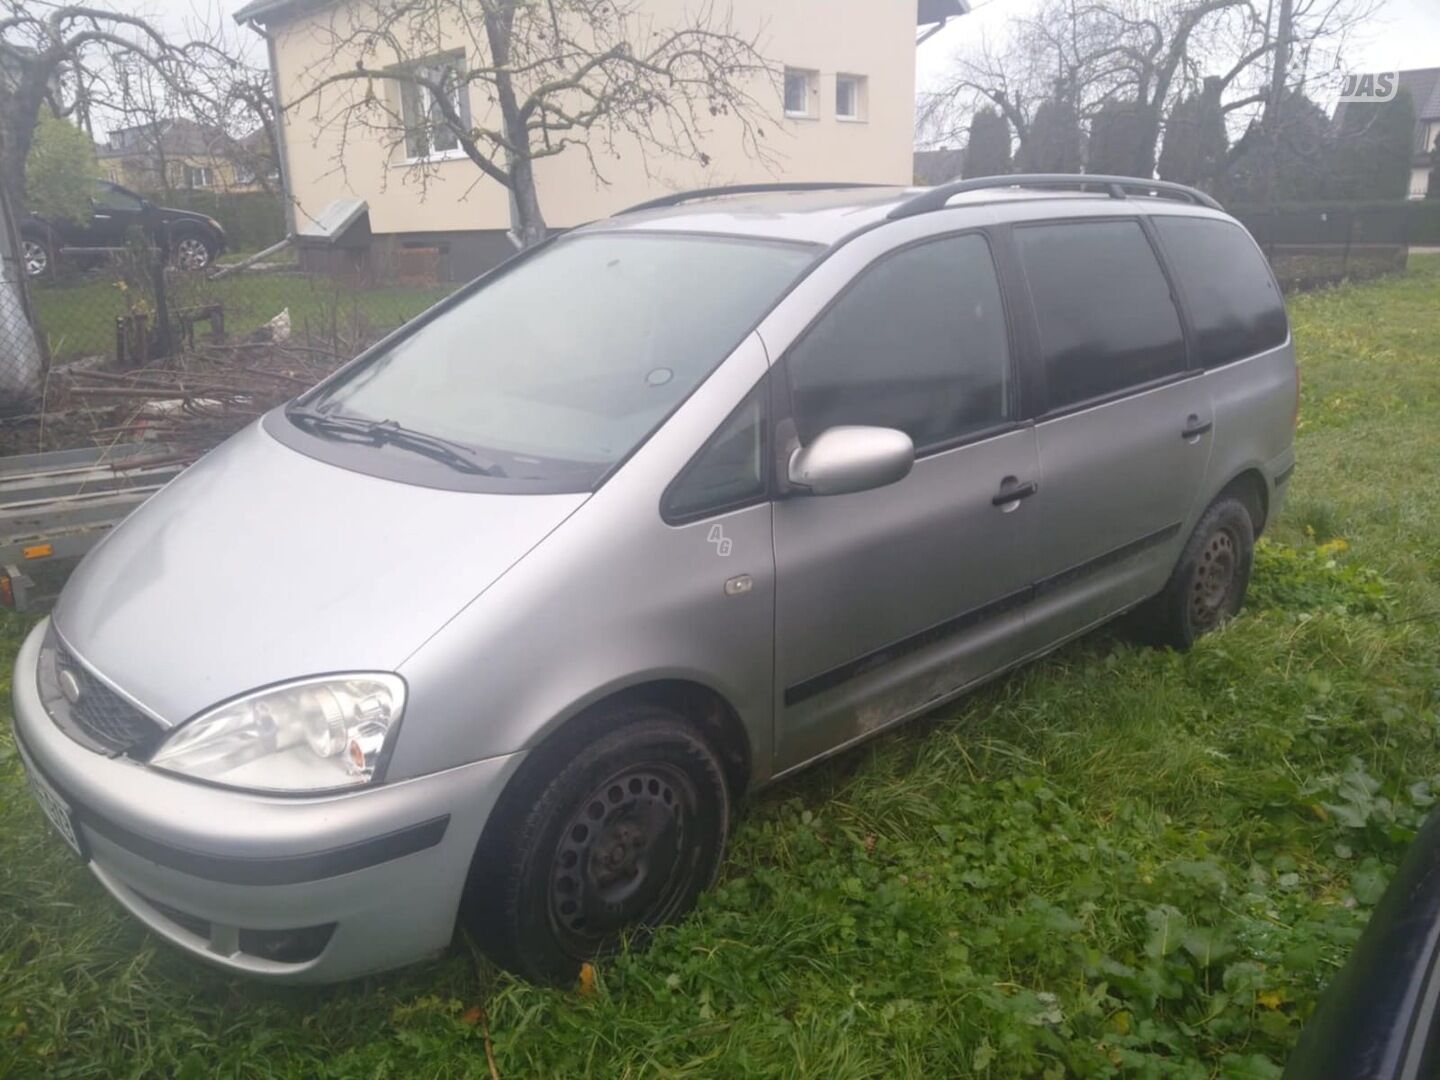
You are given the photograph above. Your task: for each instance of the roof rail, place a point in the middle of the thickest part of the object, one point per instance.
(677, 197)
(936, 198)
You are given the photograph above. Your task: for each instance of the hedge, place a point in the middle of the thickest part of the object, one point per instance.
(252, 220)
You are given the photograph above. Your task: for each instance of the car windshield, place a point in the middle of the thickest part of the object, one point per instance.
(567, 362)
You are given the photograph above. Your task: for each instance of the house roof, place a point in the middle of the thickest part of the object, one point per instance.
(1424, 87)
(179, 136)
(930, 11)
(934, 11)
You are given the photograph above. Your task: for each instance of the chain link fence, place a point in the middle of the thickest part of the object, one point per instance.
(21, 358)
(135, 307)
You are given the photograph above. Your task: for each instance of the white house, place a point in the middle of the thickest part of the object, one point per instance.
(847, 114)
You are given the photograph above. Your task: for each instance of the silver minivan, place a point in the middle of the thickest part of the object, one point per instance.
(499, 621)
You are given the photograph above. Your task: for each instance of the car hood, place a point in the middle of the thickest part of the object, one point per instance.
(259, 564)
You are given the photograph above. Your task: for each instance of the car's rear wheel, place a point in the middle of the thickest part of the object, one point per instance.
(1209, 582)
(595, 846)
(193, 252)
(35, 254)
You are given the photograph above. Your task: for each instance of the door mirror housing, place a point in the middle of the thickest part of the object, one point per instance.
(842, 460)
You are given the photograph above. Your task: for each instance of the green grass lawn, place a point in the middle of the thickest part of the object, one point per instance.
(1117, 862)
(78, 316)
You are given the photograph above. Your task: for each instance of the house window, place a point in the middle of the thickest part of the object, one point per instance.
(425, 109)
(199, 176)
(801, 93)
(850, 97)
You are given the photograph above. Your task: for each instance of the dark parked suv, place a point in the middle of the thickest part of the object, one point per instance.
(193, 240)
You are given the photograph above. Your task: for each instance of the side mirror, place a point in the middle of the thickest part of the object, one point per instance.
(842, 460)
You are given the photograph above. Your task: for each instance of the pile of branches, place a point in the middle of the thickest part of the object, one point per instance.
(190, 405)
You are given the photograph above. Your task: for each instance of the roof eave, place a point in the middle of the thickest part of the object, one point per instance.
(931, 12)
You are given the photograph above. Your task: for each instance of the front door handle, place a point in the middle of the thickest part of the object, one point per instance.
(1011, 491)
(1195, 427)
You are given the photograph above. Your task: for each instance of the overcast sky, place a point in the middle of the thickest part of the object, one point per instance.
(1405, 34)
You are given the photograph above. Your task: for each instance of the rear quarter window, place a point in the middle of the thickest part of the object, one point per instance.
(1227, 288)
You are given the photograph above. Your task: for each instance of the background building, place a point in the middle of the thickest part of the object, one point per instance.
(846, 111)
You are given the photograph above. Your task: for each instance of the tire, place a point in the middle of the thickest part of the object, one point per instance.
(1208, 584)
(596, 846)
(37, 257)
(193, 252)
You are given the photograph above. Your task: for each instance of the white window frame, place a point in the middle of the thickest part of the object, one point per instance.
(812, 94)
(199, 177)
(859, 93)
(456, 61)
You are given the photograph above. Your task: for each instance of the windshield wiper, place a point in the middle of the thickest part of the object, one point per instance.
(388, 432)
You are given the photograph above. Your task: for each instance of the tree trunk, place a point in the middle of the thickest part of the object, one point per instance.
(19, 110)
(527, 223)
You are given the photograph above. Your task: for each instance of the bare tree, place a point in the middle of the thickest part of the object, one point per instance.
(224, 108)
(510, 82)
(63, 57)
(1146, 56)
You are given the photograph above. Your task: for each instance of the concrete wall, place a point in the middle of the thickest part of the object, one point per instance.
(871, 38)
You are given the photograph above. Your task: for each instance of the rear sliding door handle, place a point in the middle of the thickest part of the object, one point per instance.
(1012, 492)
(1195, 427)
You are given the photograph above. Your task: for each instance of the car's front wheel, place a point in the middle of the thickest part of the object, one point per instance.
(599, 844)
(194, 252)
(1209, 582)
(35, 254)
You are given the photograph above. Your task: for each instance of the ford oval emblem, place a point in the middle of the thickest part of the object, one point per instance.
(69, 686)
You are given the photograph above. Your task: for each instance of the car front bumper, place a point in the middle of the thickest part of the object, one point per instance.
(289, 889)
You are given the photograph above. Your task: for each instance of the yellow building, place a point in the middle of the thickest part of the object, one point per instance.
(182, 155)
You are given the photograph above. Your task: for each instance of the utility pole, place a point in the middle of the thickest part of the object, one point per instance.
(1271, 121)
(1280, 67)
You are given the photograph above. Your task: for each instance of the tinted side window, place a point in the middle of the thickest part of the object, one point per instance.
(729, 472)
(918, 343)
(1227, 287)
(108, 198)
(1106, 317)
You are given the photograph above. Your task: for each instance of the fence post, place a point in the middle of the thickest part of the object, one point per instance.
(1349, 236)
(163, 340)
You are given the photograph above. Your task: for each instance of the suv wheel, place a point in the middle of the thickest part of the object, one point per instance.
(1209, 582)
(193, 252)
(36, 256)
(598, 845)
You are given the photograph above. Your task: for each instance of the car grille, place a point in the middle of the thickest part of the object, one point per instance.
(96, 715)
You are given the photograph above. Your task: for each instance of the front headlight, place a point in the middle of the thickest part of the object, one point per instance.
(309, 735)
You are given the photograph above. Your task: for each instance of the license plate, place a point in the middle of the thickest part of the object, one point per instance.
(55, 809)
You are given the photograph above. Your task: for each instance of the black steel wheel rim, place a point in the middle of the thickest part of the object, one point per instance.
(37, 259)
(626, 859)
(1213, 584)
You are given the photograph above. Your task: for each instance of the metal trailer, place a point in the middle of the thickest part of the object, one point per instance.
(56, 506)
